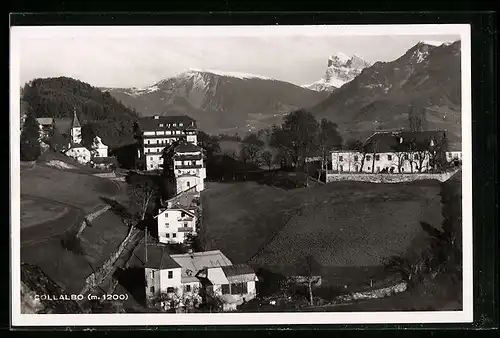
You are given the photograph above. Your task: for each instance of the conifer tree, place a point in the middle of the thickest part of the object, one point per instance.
(30, 135)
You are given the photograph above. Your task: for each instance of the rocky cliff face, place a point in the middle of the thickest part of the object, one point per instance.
(341, 69)
(40, 294)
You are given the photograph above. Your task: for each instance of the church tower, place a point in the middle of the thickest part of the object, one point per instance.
(76, 129)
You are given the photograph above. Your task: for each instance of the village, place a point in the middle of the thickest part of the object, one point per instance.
(177, 274)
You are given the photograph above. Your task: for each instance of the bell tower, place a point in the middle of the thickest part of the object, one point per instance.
(76, 129)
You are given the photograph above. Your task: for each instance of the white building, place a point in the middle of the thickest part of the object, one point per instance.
(188, 279)
(391, 152)
(75, 149)
(98, 149)
(154, 133)
(185, 162)
(178, 218)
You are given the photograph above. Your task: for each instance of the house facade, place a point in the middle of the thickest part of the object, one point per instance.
(178, 217)
(392, 152)
(75, 148)
(185, 162)
(203, 276)
(46, 125)
(98, 149)
(154, 133)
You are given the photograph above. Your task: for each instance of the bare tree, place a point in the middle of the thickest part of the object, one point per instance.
(307, 270)
(141, 195)
(267, 158)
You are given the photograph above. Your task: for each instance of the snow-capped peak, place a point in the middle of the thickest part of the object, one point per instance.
(341, 69)
(339, 57)
(432, 43)
(225, 73)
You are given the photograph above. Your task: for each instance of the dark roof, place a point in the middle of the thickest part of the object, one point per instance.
(45, 120)
(186, 148)
(237, 269)
(384, 142)
(159, 258)
(150, 123)
(75, 123)
(63, 125)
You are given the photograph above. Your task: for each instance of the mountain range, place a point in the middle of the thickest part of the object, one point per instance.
(341, 69)
(220, 101)
(425, 82)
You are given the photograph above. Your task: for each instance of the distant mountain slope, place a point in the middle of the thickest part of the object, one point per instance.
(97, 110)
(219, 100)
(424, 82)
(341, 69)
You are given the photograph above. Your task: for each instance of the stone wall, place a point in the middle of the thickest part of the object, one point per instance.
(387, 178)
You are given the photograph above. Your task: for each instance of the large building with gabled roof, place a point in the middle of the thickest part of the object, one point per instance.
(154, 133)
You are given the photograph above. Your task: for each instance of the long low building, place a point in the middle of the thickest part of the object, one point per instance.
(396, 152)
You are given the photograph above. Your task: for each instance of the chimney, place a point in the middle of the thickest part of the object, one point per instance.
(157, 117)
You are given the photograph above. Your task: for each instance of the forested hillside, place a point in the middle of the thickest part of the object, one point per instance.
(98, 111)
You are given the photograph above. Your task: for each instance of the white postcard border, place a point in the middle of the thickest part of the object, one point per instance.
(18, 319)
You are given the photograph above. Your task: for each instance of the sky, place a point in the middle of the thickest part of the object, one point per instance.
(139, 61)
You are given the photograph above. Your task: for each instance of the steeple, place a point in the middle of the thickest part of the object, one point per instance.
(76, 129)
(75, 123)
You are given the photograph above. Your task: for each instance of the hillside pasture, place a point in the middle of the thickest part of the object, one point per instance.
(79, 190)
(98, 240)
(341, 225)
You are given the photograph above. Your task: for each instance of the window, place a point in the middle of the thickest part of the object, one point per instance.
(239, 288)
(225, 289)
(170, 289)
(402, 169)
(152, 289)
(188, 288)
(152, 274)
(341, 158)
(151, 166)
(181, 124)
(389, 157)
(167, 235)
(356, 168)
(147, 141)
(161, 124)
(174, 235)
(183, 214)
(355, 158)
(368, 157)
(188, 184)
(369, 168)
(151, 158)
(378, 169)
(377, 157)
(170, 274)
(185, 224)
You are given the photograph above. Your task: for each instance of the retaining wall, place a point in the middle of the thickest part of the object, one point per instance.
(387, 178)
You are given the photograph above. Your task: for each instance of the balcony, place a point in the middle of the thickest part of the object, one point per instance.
(188, 166)
(185, 219)
(185, 229)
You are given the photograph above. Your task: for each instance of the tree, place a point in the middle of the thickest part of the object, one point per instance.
(359, 147)
(209, 143)
(30, 139)
(267, 158)
(251, 148)
(329, 139)
(141, 194)
(306, 270)
(298, 135)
